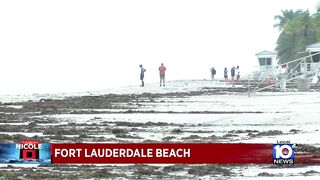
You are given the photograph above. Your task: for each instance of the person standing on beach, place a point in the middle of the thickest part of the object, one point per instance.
(213, 73)
(162, 70)
(238, 73)
(233, 73)
(225, 73)
(142, 70)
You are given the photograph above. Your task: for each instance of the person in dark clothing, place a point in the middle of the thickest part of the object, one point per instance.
(142, 71)
(213, 73)
(225, 74)
(233, 73)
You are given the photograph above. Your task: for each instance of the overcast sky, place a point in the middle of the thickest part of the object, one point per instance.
(76, 45)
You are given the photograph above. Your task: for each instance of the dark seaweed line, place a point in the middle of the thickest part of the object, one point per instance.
(170, 112)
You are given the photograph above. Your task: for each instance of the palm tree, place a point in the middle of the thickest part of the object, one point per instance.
(286, 16)
(316, 22)
(297, 30)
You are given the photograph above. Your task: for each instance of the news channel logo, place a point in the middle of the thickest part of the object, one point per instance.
(25, 152)
(283, 153)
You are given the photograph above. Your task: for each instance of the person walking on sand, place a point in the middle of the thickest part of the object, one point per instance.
(225, 73)
(238, 73)
(213, 73)
(233, 73)
(162, 70)
(142, 71)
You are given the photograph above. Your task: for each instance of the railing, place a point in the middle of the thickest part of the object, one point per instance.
(289, 75)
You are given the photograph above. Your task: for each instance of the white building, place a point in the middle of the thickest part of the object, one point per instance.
(314, 63)
(267, 64)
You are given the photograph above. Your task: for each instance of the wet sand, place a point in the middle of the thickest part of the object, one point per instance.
(210, 114)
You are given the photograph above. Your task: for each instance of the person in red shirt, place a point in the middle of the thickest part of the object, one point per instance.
(162, 70)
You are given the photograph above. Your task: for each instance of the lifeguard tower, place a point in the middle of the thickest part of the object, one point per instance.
(267, 64)
(301, 69)
(313, 63)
